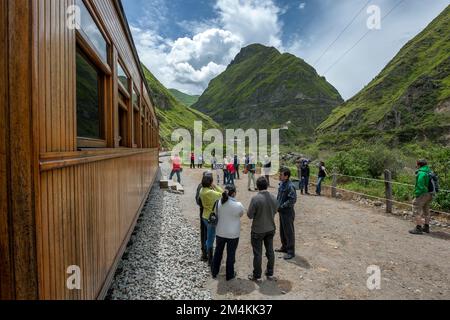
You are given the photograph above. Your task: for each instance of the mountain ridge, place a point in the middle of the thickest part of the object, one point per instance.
(261, 82)
(186, 99)
(408, 100)
(171, 113)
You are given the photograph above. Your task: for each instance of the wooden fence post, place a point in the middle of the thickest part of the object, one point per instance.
(334, 185)
(388, 186)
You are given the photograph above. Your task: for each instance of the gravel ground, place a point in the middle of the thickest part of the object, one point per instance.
(162, 262)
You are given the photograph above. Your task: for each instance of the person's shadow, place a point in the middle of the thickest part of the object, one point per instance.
(301, 262)
(237, 287)
(275, 288)
(440, 235)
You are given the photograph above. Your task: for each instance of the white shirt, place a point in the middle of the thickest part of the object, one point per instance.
(229, 214)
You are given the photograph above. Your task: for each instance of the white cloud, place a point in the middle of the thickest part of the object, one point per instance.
(196, 61)
(302, 5)
(255, 21)
(189, 64)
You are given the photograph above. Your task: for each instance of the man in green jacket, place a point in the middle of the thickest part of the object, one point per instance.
(423, 199)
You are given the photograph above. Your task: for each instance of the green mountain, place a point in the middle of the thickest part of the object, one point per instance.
(408, 101)
(171, 113)
(184, 98)
(263, 88)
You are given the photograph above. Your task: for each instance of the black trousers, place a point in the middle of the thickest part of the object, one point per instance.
(203, 232)
(287, 230)
(304, 184)
(258, 240)
(232, 245)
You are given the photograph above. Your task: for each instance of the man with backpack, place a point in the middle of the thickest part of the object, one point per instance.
(426, 187)
(304, 174)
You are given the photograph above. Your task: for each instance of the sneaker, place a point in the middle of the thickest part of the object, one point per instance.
(417, 231)
(253, 278)
(426, 228)
(289, 257)
(271, 278)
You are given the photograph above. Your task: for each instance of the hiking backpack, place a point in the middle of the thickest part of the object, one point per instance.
(433, 185)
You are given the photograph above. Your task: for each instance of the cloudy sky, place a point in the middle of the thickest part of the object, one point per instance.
(186, 43)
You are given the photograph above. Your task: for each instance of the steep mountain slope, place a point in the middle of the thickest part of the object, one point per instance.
(408, 101)
(263, 88)
(173, 114)
(184, 98)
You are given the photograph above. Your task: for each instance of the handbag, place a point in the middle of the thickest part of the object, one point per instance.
(213, 218)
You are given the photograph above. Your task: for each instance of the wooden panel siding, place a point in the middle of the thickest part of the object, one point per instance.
(6, 267)
(62, 204)
(88, 227)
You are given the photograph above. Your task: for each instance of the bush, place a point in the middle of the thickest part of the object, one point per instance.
(352, 163)
(363, 162)
(382, 158)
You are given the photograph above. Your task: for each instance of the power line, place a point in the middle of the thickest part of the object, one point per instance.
(361, 39)
(342, 32)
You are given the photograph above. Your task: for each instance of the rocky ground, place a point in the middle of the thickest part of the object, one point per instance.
(161, 262)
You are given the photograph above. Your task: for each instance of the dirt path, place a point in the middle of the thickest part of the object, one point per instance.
(336, 242)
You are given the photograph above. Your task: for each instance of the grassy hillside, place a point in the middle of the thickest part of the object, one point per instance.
(408, 101)
(184, 98)
(171, 113)
(263, 88)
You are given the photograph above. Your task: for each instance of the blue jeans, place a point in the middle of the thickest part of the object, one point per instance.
(230, 179)
(226, 176)
(319, 186)
(211, 234)
(304, 184)
(178, 175)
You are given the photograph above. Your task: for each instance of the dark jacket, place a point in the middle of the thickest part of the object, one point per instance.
(305, 171)
(287, 196)
(251, 168)
(322, 172)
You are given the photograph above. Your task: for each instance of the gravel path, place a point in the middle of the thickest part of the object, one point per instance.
(161, 262)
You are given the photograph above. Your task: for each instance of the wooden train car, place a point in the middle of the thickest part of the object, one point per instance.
(79, 143)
